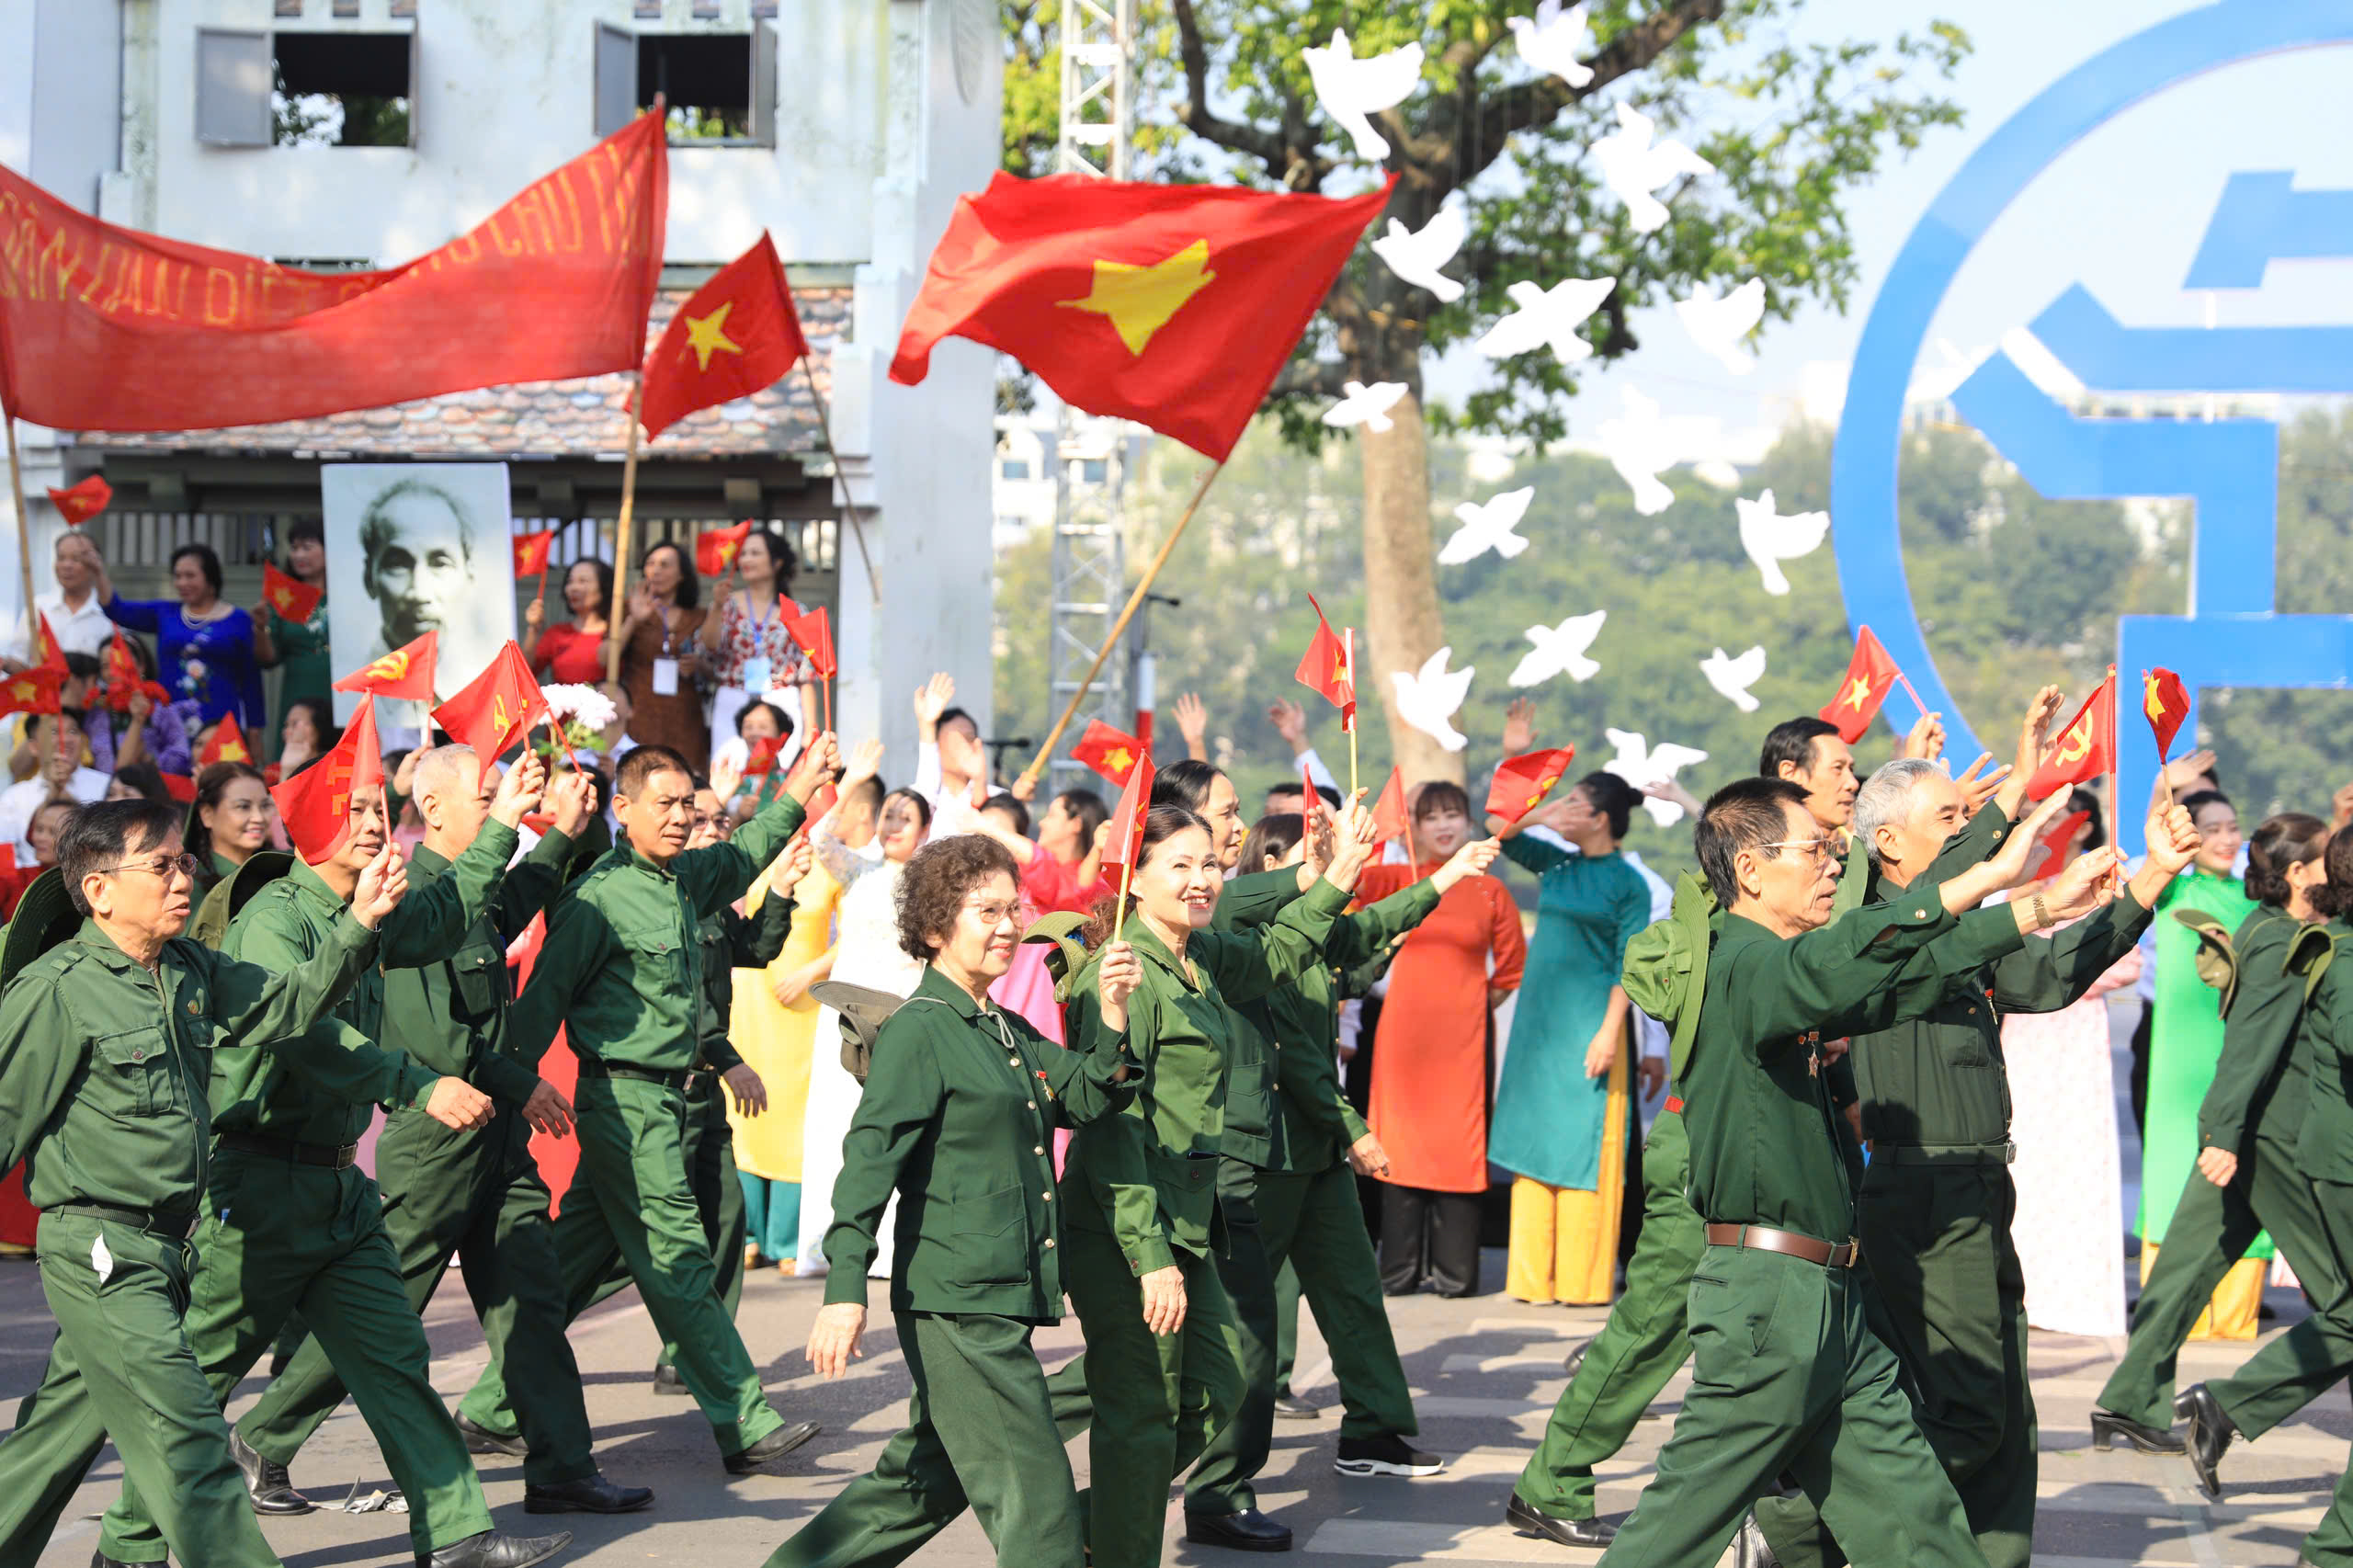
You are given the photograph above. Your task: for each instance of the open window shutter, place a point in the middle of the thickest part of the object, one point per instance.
(615, 78)
(763, 84)
(233, 87)
(416, 85)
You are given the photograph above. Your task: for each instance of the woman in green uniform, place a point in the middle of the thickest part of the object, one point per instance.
(1162, 1357)
(298, 649)
(964, 1139)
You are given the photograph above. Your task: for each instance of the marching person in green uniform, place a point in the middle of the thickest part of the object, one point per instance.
(474, 1195)
(105, 1050)
(1787, 1374)
(966, 1143)
(1163, 1361)
(2248, 1179)
(1936, 1204)
(621, 974)
(295, 1226)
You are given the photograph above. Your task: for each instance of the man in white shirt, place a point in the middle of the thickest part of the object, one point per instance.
(58, 738)
(75, 615)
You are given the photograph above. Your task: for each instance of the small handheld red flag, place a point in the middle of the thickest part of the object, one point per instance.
(1522, 783)
(227, 745)
(1870, 675)
(317, 802)
(2054, 842)
(1326, 667)
(405, 674)
(122, 666)
(763, 758)
(79, 503)
(496, 707)
(715, 548)
(1111, 753)
(2166, 702)
(1389, 818)
(180, 787)
(733, 337)
(31, 691)
(48, 653)
(1125, 845)
(532, 553)
(814, 634)
(2087, 747)
(292, 598)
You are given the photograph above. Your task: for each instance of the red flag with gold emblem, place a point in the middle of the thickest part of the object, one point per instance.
(31, 691)
(815, 634)
(1329, 667)
(405, 673)
(1389, 820)
(77, 504)
(1111, 753)
(48, 653)
(531, 553)
(122, 664)
(735, 336)
(1521, 782)
(227, 745)
(2086, 748)
(1173, 305)
(715, 548)
(1125, 845)
(2166, 702)
(491, 712)
(1870, 675)
(292, 598)
(315, 805)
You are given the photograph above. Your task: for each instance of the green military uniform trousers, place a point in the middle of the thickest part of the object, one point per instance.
(583, 1247)
(1788, 1375)
(475, 1195)
(122, 1366)
(2211, 1231)
(281, 1236)
(1221, 1480)
(1951, 1299)
(1638, 1349)
(979, 1432)
(629, 1197)
(1287, 1322)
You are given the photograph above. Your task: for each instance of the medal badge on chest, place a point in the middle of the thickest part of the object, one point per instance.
(1812, 1040)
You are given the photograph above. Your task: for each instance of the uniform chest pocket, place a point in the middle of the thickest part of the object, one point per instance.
(1246, 1106)
(660, 959)
(482, 979)
(136, 1069)
(1968, 1024)
(992, 1240)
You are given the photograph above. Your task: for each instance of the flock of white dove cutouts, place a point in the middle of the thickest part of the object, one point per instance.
(1635, 166)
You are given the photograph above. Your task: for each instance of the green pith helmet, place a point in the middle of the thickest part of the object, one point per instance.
(45, 917)
(211, 926)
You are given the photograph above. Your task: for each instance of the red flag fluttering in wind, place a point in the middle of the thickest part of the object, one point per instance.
(1329, 667)
(1870, 675)
(405, 674)
(2166, 702)
(180, 787)
(531, 553)
(48, 653)
(815, 634)
(715, 548)
(31, 691)
(733, 337)
(762, 759)
(496, 707)
(2086, 748)
(1173, 305)
(292, 598)
(105, 328)
(79, 502)
(1111, 753)
(1388, 819)
(317, 802)
(121, 665)
(227, 745)
(1125, 845)
(2054, 843)
(1522, 783)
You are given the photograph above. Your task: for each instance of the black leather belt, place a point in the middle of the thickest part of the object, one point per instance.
(1788, 1244)
(328, 1156)
(180, 1227)
(1945, 1153)
(673, 1077)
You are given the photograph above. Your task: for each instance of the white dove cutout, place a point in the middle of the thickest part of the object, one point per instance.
(1638, 447)
(1643, 765)
(1732, 677)
(1632, 167)
(1560, 650)
(1718, 322)
(1488, 527)
(1415, 254)
(1554, 40)
(1366, 405)
(1350, 89)
(1771, 540)
(1547, 316)
(1429, 699)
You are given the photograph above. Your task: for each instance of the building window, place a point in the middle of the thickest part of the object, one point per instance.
(1094, 470)
(718, 88)
(305, 89)
(1014, 468)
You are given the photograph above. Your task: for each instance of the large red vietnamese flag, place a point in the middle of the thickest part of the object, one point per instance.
(735, 335)
(1173, 305)
(106, 328)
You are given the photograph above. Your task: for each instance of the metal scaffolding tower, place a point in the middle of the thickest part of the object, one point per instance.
(1090, 578)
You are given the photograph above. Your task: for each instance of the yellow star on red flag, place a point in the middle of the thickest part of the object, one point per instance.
(706, 335)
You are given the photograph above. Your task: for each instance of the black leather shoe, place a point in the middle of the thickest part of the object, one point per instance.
(1576, 1358)
(1524, 1518)
(1750, 1549)
(1290, 1407)
(482, 1440)
(2110, 1429)
(667, 1382)
(589, 1495)
(2209, 1435)
(266, 1481)
(1248, 1530)
(492, 1550)
(775, 1445)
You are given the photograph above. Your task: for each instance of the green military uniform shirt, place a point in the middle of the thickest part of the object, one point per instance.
(2325, 1143)
(1253, 1132)
(104, 1066)
(958, 1117)
(731, 941)
(622, 969)
(286, 923)
(2264, 1078)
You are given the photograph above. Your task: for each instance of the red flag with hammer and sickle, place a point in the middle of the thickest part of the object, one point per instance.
(317, 802)
(405, 673)
(2086, 748)
(494, 707)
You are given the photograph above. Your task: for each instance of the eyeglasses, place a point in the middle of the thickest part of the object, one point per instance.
(1818, 850)
(163, 866)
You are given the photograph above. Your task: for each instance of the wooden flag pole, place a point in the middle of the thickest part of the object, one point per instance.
(1128, 612)
(24, 528)
(613, 613)
(1119, 910)
(856, 514)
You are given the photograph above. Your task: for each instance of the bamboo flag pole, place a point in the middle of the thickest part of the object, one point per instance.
(1135, 600)
(857, 513)
(24, 528)
(613, 613)
(1349, 719)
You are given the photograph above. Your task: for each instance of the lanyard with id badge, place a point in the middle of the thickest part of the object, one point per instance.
(665, 668)
(757, 668)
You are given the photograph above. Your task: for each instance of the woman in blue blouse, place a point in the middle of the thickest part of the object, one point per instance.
(1562, 1100)
(205, 643)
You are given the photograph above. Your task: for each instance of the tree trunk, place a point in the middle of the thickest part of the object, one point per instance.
(1402, 622)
